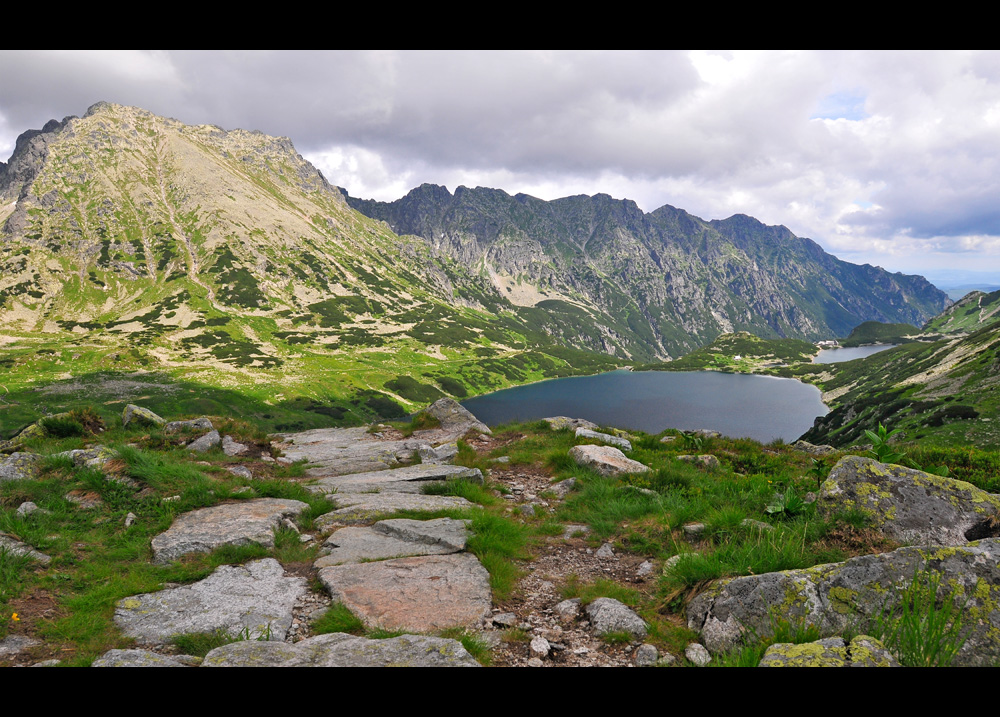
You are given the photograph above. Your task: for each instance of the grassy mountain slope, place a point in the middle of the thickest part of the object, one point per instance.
(134, 243)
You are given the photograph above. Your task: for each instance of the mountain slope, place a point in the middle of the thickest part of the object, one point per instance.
(657, 285)
(135, 242)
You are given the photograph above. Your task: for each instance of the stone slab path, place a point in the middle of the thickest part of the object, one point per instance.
(394, 539)
(400, 480)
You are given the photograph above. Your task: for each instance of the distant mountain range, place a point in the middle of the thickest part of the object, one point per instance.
(132, 242)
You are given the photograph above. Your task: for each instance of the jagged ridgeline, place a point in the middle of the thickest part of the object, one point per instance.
(601, 273)
(132, 242)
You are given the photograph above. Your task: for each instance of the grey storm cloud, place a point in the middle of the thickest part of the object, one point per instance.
(865, 151)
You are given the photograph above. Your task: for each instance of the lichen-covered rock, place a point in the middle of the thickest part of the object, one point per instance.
(141, 417)
(253, 600)
(197, 424)
(608, 615)
(241, 523)
(911, 506)
(95, 457)
(863, 651)
(591, 435)
(135, 658)
(854, 593)
(231, 448)
(19, 466)
(340, 650)
(605, 460)
(562, 423)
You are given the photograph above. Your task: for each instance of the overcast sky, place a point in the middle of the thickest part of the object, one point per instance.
(889, 158)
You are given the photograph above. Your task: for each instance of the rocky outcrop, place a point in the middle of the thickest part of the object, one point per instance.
(911, 506)
(241, 523)
(862, 651)
(855, 593)
(605, 460)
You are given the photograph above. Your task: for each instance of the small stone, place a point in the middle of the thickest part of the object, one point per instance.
(666, 660)
(504, 619)
(198, 424)
(26, 509)
(810, 498)
(563, 488)
(13, 546)
(535, 662)
(568, 610)
(608, 615)
(501, 459)
(205, 443)
(697, 654)
(757, 524)
(172, 499)
(605, 552)
(304, 538)
(130, 520)
(575, 531)
(290, 524)
(240, 471)
(232, 448)
(645, 568)
(540, 647)
(14, 644)
(694, 530)
(668, 439)
(646, 656)
(48, 663)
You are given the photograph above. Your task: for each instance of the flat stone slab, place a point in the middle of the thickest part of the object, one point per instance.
(204, 530)
(15, 644)
(135, 658)
(909, 505)
(605, 460)
(399, 480)
(253, 600)
(591, 435)
(14, 546)
(853, 594)
(341, 451)
(394, 539)
(19, 466)
(340, 650)
(365, 507)
(424, 594)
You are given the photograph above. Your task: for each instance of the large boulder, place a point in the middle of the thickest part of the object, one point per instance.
(911, 506)
(605, 460)
(456, 422)
(854, 594)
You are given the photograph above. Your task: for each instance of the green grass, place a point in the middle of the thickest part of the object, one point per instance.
(339, 618)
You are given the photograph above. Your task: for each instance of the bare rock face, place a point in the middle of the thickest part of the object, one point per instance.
(202, 531)
(854, 593)
(340, 650)
(423, 594)
(909, 505)
(253, 600)
(607, 461)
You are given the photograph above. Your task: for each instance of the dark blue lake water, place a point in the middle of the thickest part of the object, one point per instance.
(838, 355)
(736, 405)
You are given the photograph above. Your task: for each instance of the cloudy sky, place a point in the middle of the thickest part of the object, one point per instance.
(889, 158)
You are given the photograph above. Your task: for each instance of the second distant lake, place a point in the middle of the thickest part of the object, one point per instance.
(759, 407)
(838, 355)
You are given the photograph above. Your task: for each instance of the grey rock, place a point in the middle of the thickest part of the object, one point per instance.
(666, 660)
(253, 600)
(564, 488)
(441, 454)
(646, 656)
(231, 448)
(422, 594)
(561, 423)
(573, 531)
(757, 525)
(198, 424)
(668, 439)
(605, 552)
(96, 457)
(911, 506)
(672, 562)
(27, 508)
(694, 530)
(588, 434)
(15, 644)
(340, 650)
(697, 654)
(14, 546)
(240, 471)
(814, 450)
(135, 658)
(645, 568)
(130, 520)
(342, 451)
(535, 662)
(540, 647)
(365, 507)
(394, 539)
(863, 651)
(48, 663)
(501, 459)
(140, 416)
(605, 460)
(19, 466)
(205, 443)
(854, 593)
(608, 615)
(505, 619)
(455, 418)
(706, 461)
(399, 480)
(810, 498)
(240, 523)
